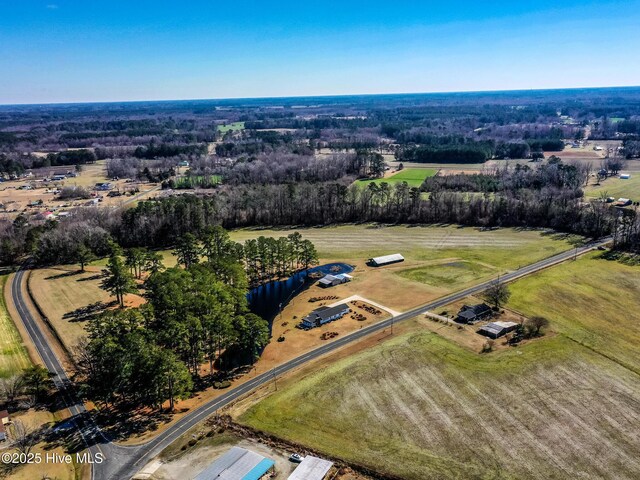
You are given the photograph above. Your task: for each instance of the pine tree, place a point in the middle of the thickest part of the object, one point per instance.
(119, 281)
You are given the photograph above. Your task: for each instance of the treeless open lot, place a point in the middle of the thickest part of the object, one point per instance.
(419, 406)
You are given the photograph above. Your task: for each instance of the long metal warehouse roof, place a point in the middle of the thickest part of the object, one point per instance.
(237, 464)
(311, 468)
(396, 257)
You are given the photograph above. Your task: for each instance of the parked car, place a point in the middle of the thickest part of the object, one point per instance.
(295, 458)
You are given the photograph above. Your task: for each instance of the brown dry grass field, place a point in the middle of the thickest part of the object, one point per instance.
(61, 292)
(439, 260)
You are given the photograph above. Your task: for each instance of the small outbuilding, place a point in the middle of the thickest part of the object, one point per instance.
(625, 176)
(311, 468)
(238, 464)
(385, 260)
(497, 329)
(323, 315)
(333, 280)
(470, 314)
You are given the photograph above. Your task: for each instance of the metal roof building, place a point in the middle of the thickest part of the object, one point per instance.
(237, 464)
(311, 468)
(386, 260)
(497, 329)
(333, 280)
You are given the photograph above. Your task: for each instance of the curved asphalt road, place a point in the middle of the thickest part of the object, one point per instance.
(122, 462)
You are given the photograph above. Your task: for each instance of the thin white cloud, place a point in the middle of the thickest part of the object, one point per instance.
(52, 6)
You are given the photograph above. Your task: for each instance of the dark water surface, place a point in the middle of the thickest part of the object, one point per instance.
(266, 300)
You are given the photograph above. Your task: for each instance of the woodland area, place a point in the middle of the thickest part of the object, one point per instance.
(263, 162)
(196, 312)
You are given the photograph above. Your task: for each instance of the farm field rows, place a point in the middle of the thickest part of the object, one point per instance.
(13, 354)
(419, 406)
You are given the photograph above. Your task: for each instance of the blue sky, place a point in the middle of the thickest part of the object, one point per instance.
(74, 51)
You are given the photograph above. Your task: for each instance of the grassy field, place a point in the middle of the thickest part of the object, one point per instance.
(593, 301)
(236, 126)
(13, 354)
(449, 273)
(413, 176)
(420, 407)
(615, 187)
(62, 293)
(507, 247)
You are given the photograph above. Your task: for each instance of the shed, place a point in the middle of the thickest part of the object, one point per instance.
(323, 315)
(497, 329)
(311, 468)
(238, 464)
(386, 260)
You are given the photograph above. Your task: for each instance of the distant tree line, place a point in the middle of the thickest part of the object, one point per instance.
(164, 150)
(478, 152)
(571, 177)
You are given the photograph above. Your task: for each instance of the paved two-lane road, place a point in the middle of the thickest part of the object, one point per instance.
(123, 462)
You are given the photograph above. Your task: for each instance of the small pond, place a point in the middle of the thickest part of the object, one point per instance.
(266, 299)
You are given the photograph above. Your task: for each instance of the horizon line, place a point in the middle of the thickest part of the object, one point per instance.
(343, 95)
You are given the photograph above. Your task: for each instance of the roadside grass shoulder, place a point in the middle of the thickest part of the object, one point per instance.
(13, 354)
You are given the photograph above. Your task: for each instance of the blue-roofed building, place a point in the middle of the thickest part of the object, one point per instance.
(238, 464)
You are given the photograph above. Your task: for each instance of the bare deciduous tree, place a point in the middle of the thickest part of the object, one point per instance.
(11, 388)
(23, 436)
(498, 293)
